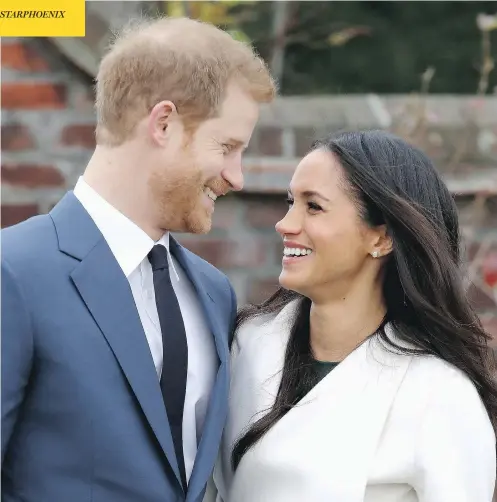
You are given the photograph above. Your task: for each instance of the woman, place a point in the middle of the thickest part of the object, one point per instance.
(366, 377)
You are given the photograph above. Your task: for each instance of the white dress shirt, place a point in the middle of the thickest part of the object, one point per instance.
(130, 246)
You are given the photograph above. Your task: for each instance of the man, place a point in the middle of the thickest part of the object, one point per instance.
(114, 337)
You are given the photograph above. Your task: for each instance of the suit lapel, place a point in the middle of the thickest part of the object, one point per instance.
(217, 409)
(209, 307)
(108, 297)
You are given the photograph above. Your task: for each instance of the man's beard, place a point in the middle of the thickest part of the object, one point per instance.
(180, 201)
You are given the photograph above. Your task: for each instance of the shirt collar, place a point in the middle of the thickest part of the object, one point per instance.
(129, 244)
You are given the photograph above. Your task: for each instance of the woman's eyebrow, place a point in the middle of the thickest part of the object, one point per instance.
(311, 193)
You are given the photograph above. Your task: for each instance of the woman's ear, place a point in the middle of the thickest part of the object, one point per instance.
(381, 243)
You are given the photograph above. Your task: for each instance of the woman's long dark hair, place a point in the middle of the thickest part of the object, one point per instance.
(394, 184)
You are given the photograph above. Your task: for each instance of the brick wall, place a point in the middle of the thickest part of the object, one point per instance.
(48, 135)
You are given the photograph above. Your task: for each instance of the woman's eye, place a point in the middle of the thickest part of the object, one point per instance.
(289, 201)
(314, 207)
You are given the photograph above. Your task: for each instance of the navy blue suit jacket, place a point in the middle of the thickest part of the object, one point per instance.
(83, 419)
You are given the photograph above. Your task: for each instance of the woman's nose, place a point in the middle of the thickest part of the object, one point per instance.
(290, 224)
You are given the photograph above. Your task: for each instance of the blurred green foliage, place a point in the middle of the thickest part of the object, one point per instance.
(365, 46)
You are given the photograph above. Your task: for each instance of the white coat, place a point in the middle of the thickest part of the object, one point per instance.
(380, 427)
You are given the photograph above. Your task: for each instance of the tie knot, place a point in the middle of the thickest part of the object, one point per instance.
(158, 257)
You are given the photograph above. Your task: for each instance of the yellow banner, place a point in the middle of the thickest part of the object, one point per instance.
(42, 18)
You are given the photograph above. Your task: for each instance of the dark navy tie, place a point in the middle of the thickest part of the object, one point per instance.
(174, 350)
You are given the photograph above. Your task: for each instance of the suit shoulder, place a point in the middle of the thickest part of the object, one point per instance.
(209, 270)
(28, 240)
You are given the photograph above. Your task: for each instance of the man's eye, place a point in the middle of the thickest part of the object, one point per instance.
(227, 148)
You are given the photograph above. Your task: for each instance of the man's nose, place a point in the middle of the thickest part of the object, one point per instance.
(234, 176)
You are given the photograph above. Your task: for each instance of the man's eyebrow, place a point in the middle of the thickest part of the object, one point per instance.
(311, 193)
(236, 142)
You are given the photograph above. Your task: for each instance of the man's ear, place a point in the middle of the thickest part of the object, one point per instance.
(159, 119)
(381, 242)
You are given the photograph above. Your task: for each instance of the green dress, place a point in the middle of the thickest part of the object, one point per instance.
(322, 368)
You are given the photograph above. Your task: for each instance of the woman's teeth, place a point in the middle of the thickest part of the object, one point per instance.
(296, 251)
(210, 194)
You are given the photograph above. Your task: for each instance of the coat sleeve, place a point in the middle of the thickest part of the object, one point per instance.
(17, 351)
(456, 450)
